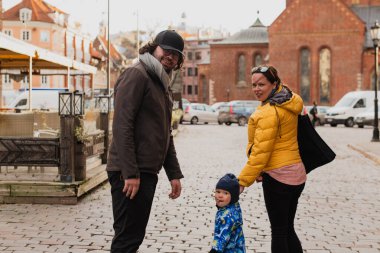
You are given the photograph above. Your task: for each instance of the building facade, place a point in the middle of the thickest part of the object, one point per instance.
(322, 49)
(231, 62)
(326, 56)
(99, 53)
(197, 51)
(43, 25)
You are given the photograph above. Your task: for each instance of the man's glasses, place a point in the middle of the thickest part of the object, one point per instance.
(171, 52)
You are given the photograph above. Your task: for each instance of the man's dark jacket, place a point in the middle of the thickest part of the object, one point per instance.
(142, 140)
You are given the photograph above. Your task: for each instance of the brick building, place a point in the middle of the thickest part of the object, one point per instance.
(41, 24)
(197, 51)
(322, 50)
(231, 61)
(99, 54)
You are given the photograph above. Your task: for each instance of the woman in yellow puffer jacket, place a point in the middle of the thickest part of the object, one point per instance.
(273, 156)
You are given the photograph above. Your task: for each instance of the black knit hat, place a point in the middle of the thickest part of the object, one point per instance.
(231, 184)
(171, 40)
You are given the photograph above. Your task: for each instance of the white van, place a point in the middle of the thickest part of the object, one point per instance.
(43, 99)
(351, 104)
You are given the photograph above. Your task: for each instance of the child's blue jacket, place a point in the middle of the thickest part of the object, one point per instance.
(228, 233)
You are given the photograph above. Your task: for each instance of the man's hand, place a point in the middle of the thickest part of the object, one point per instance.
(131, 187)
(176, 188)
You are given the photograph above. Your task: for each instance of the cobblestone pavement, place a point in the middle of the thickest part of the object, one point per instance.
(338, 211)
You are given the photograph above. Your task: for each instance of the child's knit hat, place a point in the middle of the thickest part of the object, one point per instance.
(231, 184)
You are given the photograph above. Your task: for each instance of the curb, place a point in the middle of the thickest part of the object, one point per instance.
(365, 154)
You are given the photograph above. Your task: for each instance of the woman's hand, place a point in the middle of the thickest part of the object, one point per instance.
(241, 189)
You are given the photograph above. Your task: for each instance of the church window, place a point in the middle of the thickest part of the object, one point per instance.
(241, 68)
(305, 74)
(324, 75)
(257, 60)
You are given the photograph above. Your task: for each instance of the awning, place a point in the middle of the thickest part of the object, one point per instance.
(15, 54)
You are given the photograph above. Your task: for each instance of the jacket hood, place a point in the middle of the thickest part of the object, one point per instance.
(286, 99)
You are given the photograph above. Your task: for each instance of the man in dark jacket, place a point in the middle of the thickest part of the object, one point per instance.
(142, 141)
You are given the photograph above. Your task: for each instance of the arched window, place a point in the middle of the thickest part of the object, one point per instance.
(305, 74)
(257, 60)
(324, 75)
(241, 70)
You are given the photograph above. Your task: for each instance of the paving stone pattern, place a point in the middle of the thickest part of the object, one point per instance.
(338, 211)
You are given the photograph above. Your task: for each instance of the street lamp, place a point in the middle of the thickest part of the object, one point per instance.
(65, 103)
(375, 35)
(104, 103)
(108, 53)
(78, 105)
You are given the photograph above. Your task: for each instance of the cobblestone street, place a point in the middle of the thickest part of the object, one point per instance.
(338, 211)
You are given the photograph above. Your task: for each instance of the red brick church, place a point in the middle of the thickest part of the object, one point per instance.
(322, 50)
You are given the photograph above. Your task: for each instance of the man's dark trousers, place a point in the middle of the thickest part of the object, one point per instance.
(130, 216)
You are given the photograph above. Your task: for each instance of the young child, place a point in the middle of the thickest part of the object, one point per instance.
(228, 232)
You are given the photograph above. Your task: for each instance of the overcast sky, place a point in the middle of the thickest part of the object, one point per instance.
(155, 14)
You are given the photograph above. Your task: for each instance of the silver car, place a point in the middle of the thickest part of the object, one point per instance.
(197, 112)
(216, 106)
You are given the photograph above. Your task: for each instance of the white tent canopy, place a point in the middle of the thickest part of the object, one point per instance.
(17, 54)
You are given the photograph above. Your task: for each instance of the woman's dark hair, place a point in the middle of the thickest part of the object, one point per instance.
(151, 46)
(269, 72)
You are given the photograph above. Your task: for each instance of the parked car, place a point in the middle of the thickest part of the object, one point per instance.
(43, 99)
(216, 106)
(198, 112)
(351, 104)
(322, 110)
(365, 118)
(237, 111)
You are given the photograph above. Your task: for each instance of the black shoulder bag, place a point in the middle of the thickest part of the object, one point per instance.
(313, 150)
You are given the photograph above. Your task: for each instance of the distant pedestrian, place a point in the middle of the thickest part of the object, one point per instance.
(314, 114)
(273, 156)
(228, 232)
(142, 141)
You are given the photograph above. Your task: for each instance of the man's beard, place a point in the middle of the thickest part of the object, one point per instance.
(168, 62)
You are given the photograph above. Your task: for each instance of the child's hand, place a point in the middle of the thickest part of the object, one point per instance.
(241, 189)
